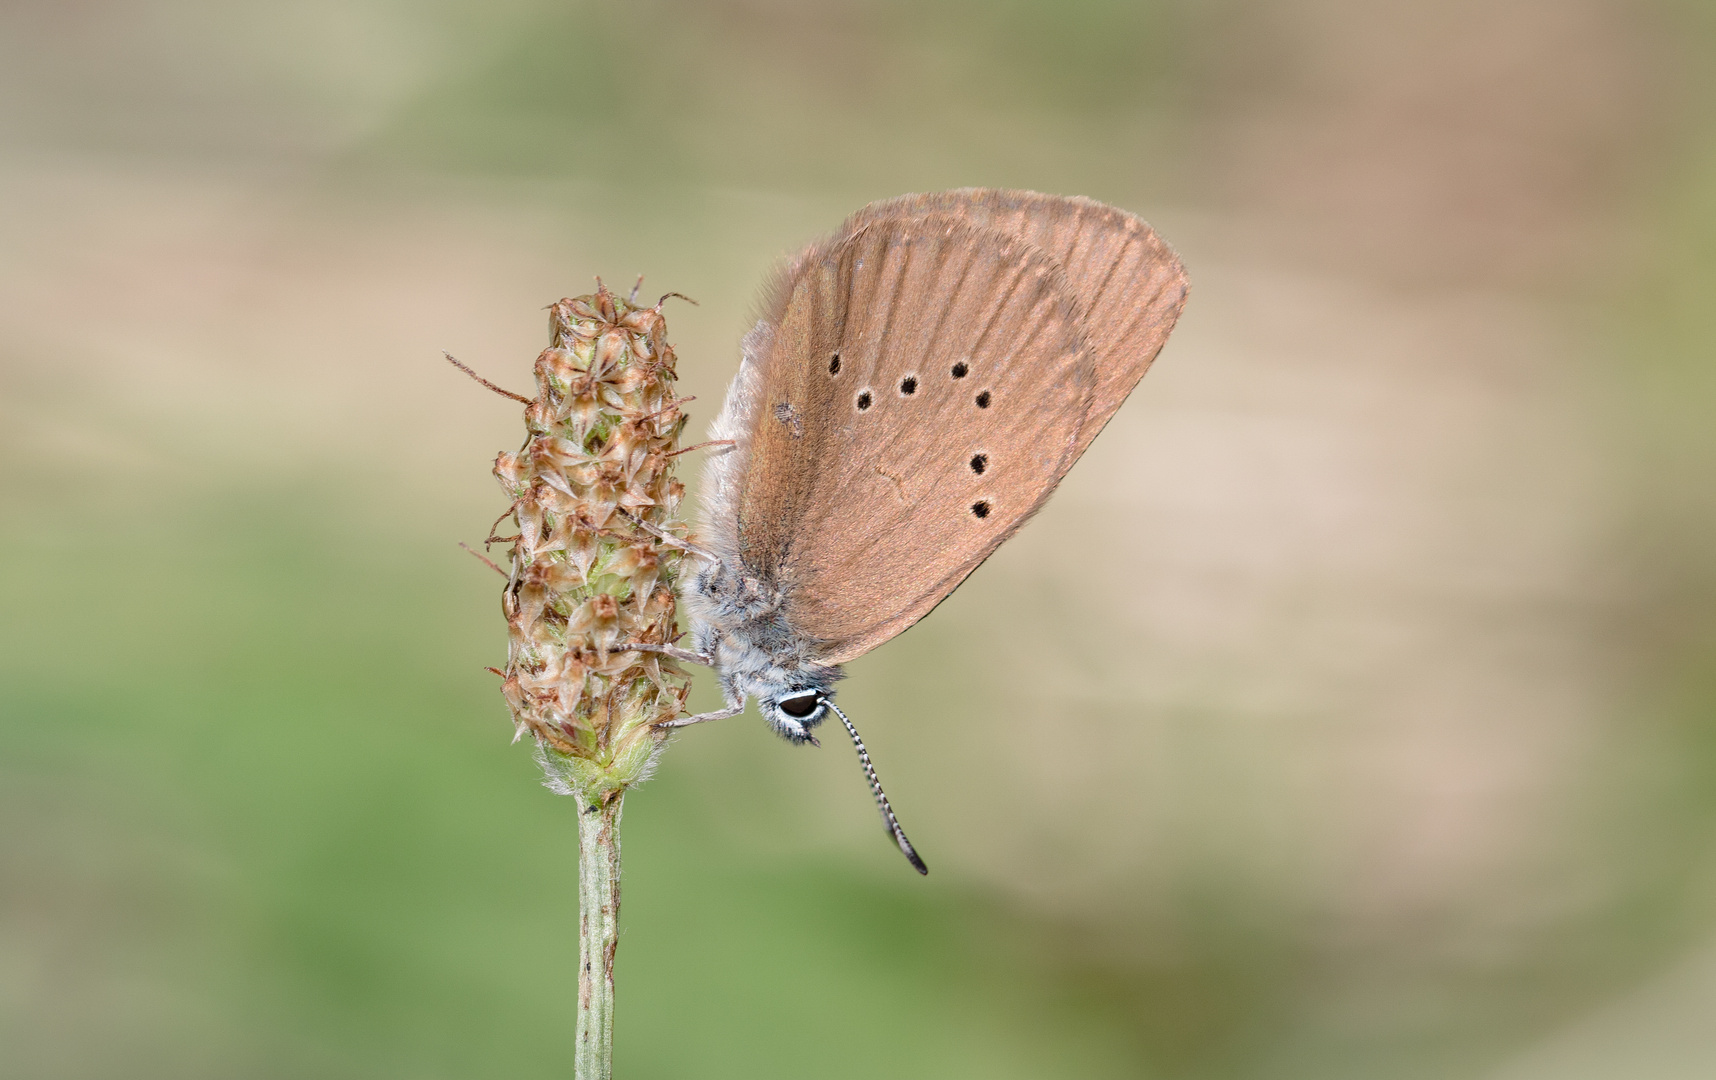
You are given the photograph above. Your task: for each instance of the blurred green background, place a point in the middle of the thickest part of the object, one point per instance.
(1350, 713)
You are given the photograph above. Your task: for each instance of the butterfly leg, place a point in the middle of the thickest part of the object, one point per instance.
(687, 721)
(685, 655)
(667, 538)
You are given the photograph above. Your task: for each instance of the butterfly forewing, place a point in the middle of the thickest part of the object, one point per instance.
(1129, 283)
(926, 387)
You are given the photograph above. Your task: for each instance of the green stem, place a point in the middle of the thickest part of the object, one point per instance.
(598, 935)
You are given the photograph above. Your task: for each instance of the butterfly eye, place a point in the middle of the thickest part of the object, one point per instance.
(799, 707)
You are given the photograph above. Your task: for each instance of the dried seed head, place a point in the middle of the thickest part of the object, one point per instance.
(601, 432)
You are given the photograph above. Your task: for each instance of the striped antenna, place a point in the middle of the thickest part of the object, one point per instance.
(888, 817)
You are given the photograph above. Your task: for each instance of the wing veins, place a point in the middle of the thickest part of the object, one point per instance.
(995, 313)
(1039, 327)
(1108, 275)
(941, 320)
(893, 306)
(1140, 310)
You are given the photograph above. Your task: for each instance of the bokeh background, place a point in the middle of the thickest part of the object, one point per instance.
(1350, 713)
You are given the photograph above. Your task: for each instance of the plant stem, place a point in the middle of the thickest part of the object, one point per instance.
(598, 935)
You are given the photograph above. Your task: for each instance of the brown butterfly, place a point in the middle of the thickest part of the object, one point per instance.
(916, 387)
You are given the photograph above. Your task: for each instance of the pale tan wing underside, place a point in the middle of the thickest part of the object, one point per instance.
(1129, 283)
(869, 516)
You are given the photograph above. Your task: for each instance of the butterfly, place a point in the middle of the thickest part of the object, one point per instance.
(916, 386)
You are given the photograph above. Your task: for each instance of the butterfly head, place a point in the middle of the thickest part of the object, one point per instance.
(795, 713)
